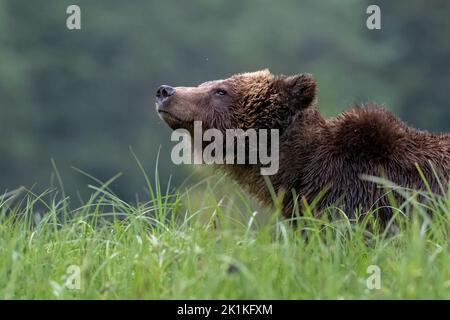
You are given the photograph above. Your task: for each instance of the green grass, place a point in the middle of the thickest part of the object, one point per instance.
(211, 242)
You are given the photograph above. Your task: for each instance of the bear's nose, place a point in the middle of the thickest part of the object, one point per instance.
(164, 92)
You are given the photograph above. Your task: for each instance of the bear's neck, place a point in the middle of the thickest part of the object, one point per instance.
(297, 145)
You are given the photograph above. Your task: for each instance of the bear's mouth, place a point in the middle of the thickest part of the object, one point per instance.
(173, 121)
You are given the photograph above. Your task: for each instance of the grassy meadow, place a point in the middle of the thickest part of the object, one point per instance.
(209, 241)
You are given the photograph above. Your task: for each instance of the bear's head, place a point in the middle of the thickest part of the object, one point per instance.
(256, 100)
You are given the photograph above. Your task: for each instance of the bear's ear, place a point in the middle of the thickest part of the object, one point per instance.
(300, 89)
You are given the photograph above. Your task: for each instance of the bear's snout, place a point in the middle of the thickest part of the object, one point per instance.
(163, 94)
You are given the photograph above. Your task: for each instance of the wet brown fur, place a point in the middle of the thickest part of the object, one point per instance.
(318, 153)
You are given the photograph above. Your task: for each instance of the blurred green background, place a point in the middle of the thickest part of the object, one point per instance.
(84, 97)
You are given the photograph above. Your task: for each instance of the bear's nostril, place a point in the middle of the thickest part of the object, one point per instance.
(165, 92)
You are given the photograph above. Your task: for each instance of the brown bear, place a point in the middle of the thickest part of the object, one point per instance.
(317, 156)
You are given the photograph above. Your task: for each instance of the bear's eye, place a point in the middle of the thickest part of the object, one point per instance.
(220, 92)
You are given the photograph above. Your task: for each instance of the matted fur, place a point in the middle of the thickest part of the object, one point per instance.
(317, 153)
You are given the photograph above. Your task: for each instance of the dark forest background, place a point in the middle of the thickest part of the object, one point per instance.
(84, 97)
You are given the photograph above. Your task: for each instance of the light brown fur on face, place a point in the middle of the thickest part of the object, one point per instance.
(251, 100)
(201, 103)
(316, 154)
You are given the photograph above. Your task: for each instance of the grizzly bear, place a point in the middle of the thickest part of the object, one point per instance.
(322, 160)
